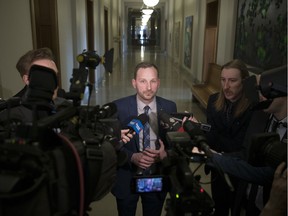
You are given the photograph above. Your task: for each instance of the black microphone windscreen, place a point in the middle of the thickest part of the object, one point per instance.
(137, 123)
(168, 120)
(143, 118)
(107, 110)
(192, 129)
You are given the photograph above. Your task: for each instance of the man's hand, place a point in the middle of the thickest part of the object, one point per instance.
(162, 152)
(149, 156)
(143, 159)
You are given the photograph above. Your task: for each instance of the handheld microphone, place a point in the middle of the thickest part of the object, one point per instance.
(169, 122)
(107, 110)
(135, 125)
(198, 136)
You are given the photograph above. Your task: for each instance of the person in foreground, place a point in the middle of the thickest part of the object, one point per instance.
(272, 110)
(143, 158)
(228, 113)
(42, 92)
(42, 56)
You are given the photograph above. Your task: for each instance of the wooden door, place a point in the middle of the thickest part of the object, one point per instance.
(45, 27)
(210, 40)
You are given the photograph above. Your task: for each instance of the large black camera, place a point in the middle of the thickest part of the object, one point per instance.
(267, 150)
(56, 160)
(187, 197)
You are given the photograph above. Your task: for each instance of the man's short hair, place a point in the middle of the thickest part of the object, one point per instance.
(24, 63)
(145, 65)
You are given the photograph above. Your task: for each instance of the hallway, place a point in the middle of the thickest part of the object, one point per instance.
(174, 86)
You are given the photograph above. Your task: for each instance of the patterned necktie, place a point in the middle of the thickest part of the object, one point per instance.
(274, 126)
(146, 131)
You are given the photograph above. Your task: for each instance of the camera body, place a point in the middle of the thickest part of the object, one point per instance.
(267, 150)
(187, 197)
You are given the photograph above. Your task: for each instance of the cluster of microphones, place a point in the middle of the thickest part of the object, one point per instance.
(195, 130)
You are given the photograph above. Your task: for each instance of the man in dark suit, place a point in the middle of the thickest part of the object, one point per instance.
(141, 159)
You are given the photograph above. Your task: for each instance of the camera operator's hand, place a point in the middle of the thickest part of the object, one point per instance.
(191, 118)
(125, 136)
(196, 150)
(277, 203)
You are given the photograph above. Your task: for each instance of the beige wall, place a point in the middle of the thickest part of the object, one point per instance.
(17, 39)
(178, 10)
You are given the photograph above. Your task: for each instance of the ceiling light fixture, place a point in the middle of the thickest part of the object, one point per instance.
(147, 11)
(151, 3)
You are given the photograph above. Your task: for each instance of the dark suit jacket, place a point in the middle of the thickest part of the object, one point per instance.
(126, 111)
(226, 136)
(240, 166)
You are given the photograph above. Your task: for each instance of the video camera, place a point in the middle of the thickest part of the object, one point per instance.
(62, 160)
(187, 197)
(266, 148)
(186, 194)
(271, 84)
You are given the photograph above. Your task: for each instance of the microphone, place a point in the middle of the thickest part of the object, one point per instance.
(107, 110)
(169, 122)
(135, 125)
(198, 136)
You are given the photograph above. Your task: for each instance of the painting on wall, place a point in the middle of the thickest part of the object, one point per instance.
(261, 33)
(177, 39)
(188, 30)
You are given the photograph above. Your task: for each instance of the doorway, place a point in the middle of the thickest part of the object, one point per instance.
(211, 36)
(45, 28)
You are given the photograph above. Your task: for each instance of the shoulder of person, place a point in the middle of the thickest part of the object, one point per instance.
(124, 99)
(164, 100)
(165, 104)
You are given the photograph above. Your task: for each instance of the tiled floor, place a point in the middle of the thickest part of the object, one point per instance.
(174, 86)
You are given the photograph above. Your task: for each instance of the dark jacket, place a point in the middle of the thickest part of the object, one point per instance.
(226, 135)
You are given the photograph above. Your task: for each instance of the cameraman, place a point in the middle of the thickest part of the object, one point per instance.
(41, 56)
(44, 58)
(273, 101)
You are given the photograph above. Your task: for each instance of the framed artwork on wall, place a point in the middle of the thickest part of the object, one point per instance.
(261, 33)
(188, 30)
